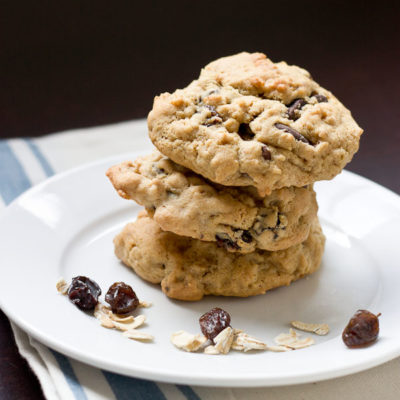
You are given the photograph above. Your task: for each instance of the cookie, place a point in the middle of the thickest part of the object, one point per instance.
(249, 121)
(189, 269)
(238, 219)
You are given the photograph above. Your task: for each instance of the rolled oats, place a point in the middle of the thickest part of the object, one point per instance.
(120, 318)
(137, 321)
(186, 341)
(127, 324)
(244, 342)
(223, 341)
(278, 349)
(145, 304)
(319, 329)
(62, 286)
(211, 350)
(106, 322)
(293, 341)
(136, 335)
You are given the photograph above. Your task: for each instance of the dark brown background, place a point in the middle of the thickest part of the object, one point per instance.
(68, 64)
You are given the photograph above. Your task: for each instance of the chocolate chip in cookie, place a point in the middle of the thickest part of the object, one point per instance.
(245, 132)
(266, 154)
(294, 108)
(293, 132)
(321, 98)
(223, 240)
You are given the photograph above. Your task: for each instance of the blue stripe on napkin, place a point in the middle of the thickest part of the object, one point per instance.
(70, 376)
(47, 168)
(188, 392)
(13, 182)
(126, 388)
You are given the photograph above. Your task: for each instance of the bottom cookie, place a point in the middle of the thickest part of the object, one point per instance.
(188, 268)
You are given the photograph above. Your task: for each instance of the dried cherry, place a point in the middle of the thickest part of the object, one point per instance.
(213, 322)
(84, 292)
(121, 298)
(362, 329)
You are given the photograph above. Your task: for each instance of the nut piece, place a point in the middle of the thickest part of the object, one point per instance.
(62, 286)
(211, 350)
(293, 341)
(319, 329)
(186, 341)
(136, 335)
(244, 342)
(223, 341)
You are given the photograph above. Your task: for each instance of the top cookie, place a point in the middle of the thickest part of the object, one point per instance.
(249, 121)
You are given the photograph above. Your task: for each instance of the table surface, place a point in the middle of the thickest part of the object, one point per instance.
(104, 68)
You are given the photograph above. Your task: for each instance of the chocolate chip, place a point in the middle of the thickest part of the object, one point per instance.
(245, 132)
(294, 106)
(265, 153)
(225, 241)
(293, 132)
(321, 98)
(246, 237)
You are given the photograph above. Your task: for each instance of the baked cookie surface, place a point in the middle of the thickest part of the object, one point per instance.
(188, 269)
(249, 121)
(237, 218)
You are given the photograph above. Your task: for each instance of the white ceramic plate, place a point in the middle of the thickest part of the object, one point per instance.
(65, 226)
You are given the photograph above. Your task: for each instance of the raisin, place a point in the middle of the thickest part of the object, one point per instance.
(223, 240)
(213, 322)
(84, 292)
(246, 237)
(362, 329)
(215, 117)
(121, 298)
(213, 110)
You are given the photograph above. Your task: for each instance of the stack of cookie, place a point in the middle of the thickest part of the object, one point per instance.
(230, 207)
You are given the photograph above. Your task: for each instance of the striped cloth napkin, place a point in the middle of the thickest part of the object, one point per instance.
(25, 162)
